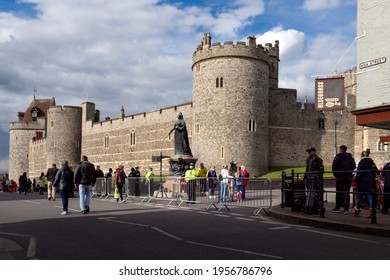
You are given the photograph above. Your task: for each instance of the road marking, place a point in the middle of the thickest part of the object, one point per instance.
(69, 209)
(143, 225)
(236, 250)
(33, 202)
(32, 247)
(222, 215)
(338, 235)
(237, 214)
(14, 234)
(244, 219)
(166, 233)
(278, 228)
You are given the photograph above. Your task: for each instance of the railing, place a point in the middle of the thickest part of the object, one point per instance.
(211, 192)
(297, 190)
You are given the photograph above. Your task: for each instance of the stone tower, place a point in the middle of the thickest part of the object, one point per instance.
(31, 125)
(231, 84)
(64, 135)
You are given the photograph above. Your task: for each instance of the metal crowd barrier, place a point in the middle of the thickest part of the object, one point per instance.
(295, 188)
(208, 191)
(223, 194)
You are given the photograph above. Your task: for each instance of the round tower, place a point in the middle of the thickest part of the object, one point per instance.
(230, 104)
(64, 135)
(20, 135)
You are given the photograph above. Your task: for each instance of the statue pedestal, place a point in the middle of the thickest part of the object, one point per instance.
(177, 165)
(177, 171)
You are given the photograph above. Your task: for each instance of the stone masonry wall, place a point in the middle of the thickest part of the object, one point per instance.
(20, 136)
(133, 140)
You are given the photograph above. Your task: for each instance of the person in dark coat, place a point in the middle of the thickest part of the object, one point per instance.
(386, 189)
(342, 167)
(23, 183)
(365, 182)
(64, 182)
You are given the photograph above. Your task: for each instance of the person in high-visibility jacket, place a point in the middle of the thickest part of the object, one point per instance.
(190, 178)
(149, 179)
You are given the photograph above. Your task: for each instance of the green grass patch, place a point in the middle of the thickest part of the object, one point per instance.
(275, 172)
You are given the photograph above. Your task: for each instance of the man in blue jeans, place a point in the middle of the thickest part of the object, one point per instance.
(85, 178)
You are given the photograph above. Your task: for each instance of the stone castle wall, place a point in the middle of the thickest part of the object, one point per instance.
(133, 140)
(231, 117)
(37, 158)
(20, 136)
(64, 135)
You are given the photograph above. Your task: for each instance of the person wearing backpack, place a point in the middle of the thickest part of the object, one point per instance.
(85, 178)
(64, 182)
(120, 178)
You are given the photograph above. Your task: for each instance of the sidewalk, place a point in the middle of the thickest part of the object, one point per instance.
(335, 221)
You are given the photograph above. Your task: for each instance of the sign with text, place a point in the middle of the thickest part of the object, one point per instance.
(329, 93)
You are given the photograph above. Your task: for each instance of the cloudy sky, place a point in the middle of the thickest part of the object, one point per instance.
(138, 53)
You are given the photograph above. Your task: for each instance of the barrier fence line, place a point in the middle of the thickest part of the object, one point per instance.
(296, 189)
(212, 192)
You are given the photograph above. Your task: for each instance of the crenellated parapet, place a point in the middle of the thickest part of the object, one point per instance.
(39, 124)
(249, 49)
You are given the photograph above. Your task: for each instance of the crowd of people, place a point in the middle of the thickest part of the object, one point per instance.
(369, 184)
(229, 184)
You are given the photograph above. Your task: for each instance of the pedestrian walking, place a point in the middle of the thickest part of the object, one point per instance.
(84, 178)
(120, 179)
(23, 183)
(64, 183)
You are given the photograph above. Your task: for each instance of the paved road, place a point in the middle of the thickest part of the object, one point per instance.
(157, 231)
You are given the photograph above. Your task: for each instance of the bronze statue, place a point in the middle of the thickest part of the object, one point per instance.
(182, 145)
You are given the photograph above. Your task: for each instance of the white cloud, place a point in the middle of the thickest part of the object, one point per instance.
(313, 5)
(291, 42)
(322, 54)
(138, 53)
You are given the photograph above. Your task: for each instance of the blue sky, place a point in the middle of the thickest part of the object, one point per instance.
(138, 53)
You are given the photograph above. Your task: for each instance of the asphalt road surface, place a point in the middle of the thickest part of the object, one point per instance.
(156, 231)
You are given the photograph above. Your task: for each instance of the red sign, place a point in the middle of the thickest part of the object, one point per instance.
(329, 94)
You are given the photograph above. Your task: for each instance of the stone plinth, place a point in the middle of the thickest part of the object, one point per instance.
(177, 170)
(177, 165)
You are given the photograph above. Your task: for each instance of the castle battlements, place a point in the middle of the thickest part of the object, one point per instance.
(141, 116)
(63, 108)
(207, 50)
(38, 124)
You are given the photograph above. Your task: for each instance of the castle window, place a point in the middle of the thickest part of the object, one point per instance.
(51, 124)
(197, 68)
(273, 67)
(252, 125)
(381, 146)
(77, 144)
(197, 128)
(219, 82)
(132, 138)
(55, 143)
(106, 141)
(321, 123)
(222, 152)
